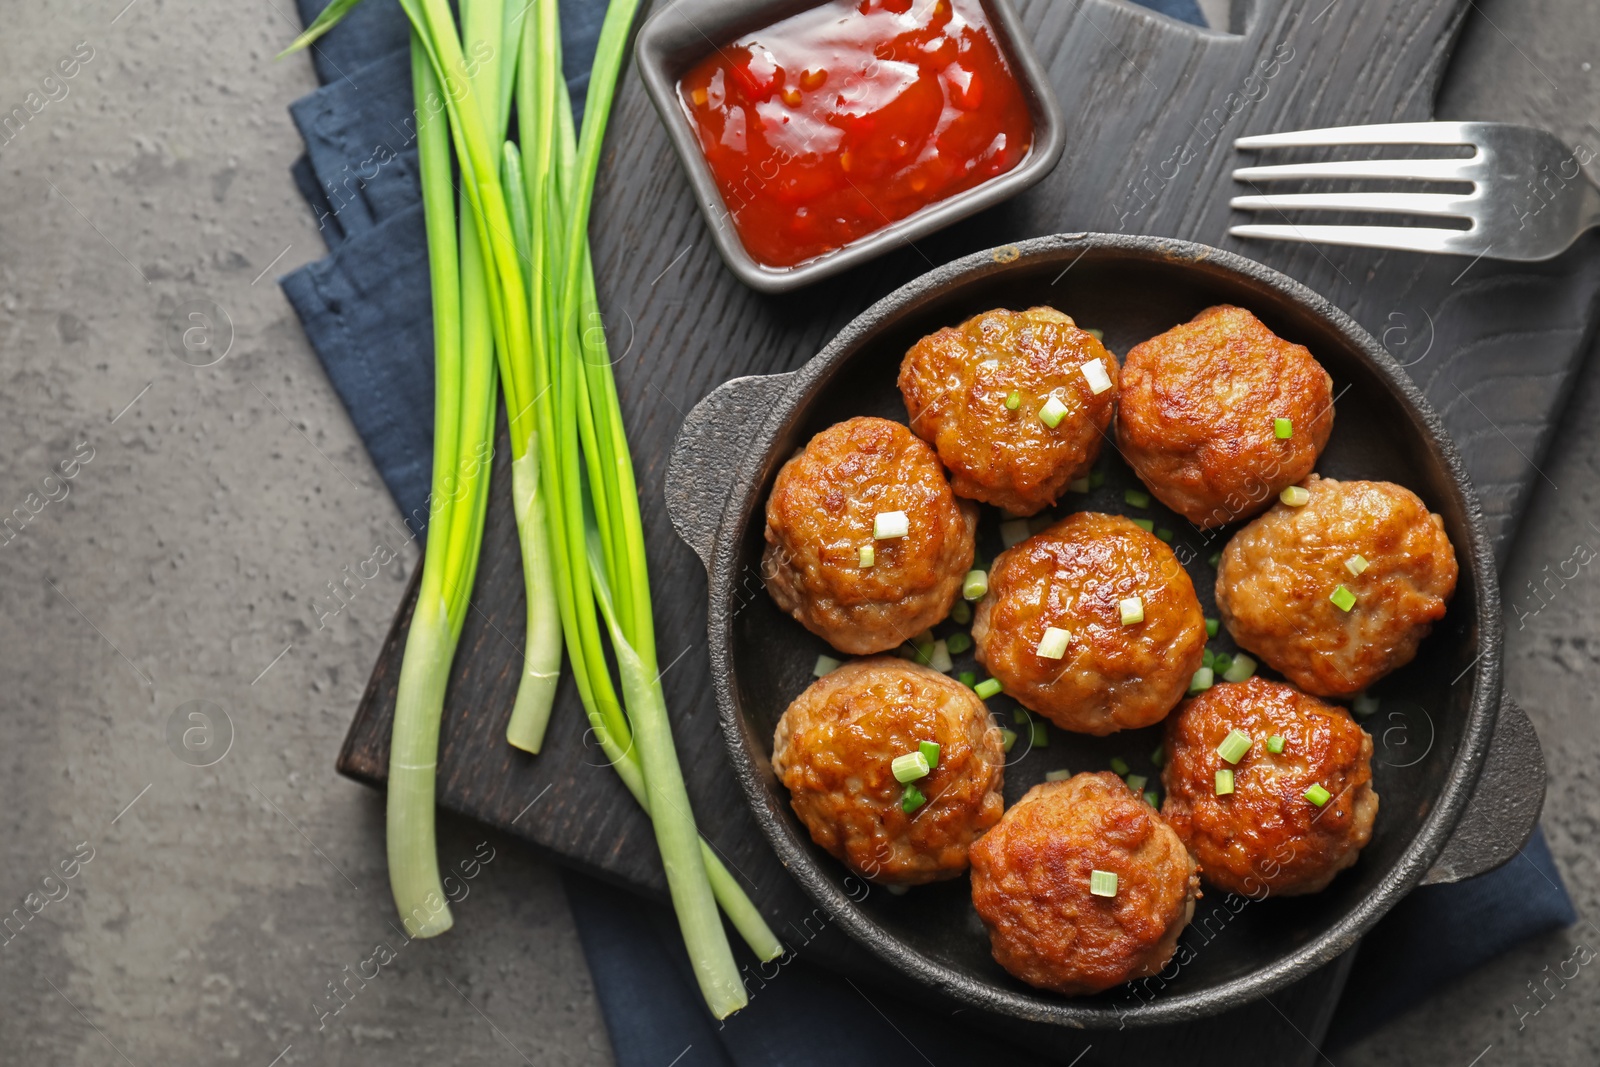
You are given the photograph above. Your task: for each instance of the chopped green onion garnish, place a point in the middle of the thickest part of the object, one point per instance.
(1275, 744)
(1221, 662)
(1234, 746)
(958, 642)
(960, 613)
(1242, 668)
(1132, 609)
(1013, 400)
(1164, 533)
(1342, 598)
(909, 767)
(890, 524)
(1039, 522)
(1136, 498)
(1146, 525)
(987, 688)
(1365, 704)
(1008, 737)
(1159, 756)
(1103, 883)
(1136, 782)
(1282, 429)
(1212, 626)
(975, 585)
(1041, 735)
(1053, 412)
(1119, 765)
(1295, 496)
(930, 752)
(1318, 795)
(1020, 717)
(1224, 782)
(968, 678)
(1094, 372)
(1152, 798)
(1216, 558)
(1098, 335)
(1202, 680)
(1097, 478)
(1356, 564)
(911, 799)
(1060, 775)
(869, 556)
(1012, 531)
(825, 665)
(1208, 658)
(1079, 485)
(939, 659)
(1053, 645)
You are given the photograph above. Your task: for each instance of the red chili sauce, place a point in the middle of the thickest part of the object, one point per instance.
(850, 116)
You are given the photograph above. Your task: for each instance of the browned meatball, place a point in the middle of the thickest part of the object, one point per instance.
(821, 515)
(1267, 837)
(834, 748)
(956, 383)
(1073, 576)
(1031, 878)
(1279, 575)
(1197, 410)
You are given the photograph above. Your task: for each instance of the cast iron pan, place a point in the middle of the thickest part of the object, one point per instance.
(1457, 768)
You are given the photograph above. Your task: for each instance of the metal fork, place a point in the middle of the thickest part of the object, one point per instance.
(1530, 197)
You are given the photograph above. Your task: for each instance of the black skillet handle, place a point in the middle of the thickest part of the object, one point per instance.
(1505, 806)
(710, 447)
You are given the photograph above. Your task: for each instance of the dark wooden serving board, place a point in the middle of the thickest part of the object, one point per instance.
(1152, 107)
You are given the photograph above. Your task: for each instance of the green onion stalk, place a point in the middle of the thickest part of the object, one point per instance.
(597, 535)
(490, 29)
(474, 279)
(576, 497)
(464, 396)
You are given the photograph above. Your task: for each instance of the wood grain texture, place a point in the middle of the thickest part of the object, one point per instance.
(1152, 107)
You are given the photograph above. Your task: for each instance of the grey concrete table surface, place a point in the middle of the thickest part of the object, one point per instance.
(184, 524)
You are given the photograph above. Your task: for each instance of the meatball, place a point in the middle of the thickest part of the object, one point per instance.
(1198, 411)
(1031, 881)
(1267, 837)
(956, 384)
(821, 515)
(1339, 592)
(834, 749)
(1077, 576)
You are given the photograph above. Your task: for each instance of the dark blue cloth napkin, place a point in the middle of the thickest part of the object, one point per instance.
(365, 309)
(366, 306)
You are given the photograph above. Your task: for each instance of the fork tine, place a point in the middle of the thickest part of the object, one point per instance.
(1400, 203)
(1420, 170)
(1382, 133)
(1405, 238)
